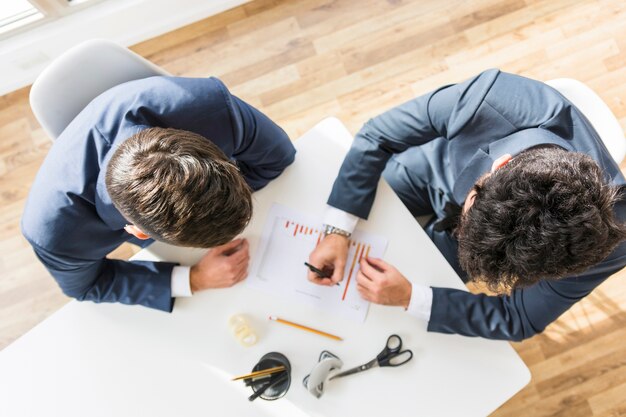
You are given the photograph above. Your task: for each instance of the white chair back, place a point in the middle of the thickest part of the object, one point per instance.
(78, 76)
(598, 113)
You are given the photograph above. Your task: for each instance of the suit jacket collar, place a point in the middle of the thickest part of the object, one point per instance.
(104, 205)
(106, 210)
(482, 160)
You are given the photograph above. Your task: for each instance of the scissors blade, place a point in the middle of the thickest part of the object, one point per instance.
(358, 369)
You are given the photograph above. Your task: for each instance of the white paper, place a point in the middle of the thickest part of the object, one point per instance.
(278, 264)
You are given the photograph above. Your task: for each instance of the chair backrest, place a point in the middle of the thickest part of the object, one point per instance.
(598, 113)
(78, 76)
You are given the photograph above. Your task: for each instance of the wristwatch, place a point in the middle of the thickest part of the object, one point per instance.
(332, 230)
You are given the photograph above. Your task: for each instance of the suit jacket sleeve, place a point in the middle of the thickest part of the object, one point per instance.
(523, 313)
(264, 149)
(261, 149)
(414, 123)
(110, 281)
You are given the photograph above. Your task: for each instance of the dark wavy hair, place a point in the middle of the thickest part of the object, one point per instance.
(547, 214)
(179, 187)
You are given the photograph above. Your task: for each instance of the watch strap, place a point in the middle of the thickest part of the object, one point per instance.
(332, 230)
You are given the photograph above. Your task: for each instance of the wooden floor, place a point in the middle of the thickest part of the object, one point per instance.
(301, 61)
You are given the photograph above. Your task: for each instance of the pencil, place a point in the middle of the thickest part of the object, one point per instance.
(262, 372)
(308, 329)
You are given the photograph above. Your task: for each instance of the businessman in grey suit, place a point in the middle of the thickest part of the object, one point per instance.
(162, 158)
(525, 197)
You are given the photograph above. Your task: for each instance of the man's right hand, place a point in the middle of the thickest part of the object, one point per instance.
(330, 256)
(221, 267)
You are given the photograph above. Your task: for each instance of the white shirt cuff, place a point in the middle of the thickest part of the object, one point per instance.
(340, 219)
(421, 301)
(181, 285)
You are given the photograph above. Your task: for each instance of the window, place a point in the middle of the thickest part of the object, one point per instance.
(21, 14)
(16, 13)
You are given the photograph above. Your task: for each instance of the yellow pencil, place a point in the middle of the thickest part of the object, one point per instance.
(262, 372)
(308, 329)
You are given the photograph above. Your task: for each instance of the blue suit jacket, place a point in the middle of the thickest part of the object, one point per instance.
(69, 218)
(465, 127)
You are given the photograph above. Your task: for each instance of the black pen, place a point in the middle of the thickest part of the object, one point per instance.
(319, 272)
(270, 384)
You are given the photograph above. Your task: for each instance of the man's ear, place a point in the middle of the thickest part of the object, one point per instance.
(135, 231)
(500, 162)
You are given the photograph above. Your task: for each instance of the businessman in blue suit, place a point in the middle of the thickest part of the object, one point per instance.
(162, 158)
(525, 197)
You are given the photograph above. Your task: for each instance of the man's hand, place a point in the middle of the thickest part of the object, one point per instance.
(221, 267)
(381, 283)
(330, 256)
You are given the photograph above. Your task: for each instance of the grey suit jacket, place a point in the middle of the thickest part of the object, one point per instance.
(465, 128)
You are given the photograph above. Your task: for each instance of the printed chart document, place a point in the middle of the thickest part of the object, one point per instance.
(278, 266)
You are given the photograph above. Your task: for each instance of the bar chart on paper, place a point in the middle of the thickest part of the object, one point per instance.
(278, 265)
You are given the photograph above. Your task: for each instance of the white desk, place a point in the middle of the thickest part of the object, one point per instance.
(115, 360)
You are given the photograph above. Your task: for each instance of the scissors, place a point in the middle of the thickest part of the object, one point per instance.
(391, 355)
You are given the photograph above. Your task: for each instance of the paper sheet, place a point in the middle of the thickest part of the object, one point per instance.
(278, 265)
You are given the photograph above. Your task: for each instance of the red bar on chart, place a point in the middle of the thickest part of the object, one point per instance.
(361, 255)
(356, 253)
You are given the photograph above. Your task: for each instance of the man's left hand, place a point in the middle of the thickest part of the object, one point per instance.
(381, 283)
